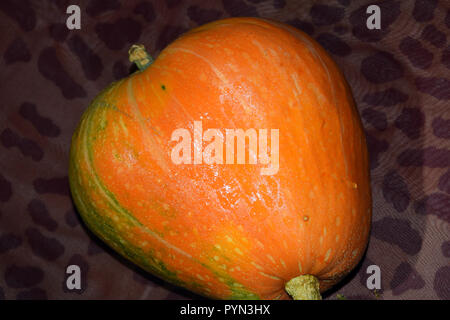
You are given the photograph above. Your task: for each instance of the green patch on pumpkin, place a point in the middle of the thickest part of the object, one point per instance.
(107, 229)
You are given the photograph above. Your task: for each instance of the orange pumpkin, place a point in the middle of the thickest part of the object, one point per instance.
(226, 230)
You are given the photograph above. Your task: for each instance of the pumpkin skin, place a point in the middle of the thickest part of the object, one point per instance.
(226, 231)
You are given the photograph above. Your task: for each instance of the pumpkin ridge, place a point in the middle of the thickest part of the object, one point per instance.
(116, 205)
(153, 145)
(226, 82)
(94, 218)
(129, 249)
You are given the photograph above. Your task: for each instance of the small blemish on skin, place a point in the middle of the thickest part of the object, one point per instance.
(163, 87)
(257, 266)
(327, 255)
(305, 218)
(338, 221)
(200, 277)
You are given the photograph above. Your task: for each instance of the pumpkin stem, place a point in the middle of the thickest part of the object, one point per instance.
(139, 56)
(304, 287)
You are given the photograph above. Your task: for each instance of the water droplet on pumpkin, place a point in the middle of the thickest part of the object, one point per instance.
(351, 184)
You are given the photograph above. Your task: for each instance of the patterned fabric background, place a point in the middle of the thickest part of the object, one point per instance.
(400, 77)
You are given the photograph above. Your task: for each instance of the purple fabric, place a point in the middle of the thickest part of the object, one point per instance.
(400, 77)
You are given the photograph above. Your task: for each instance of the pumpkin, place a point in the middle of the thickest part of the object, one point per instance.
(227, 231)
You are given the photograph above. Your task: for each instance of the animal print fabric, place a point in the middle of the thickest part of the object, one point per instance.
(400, 77)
